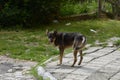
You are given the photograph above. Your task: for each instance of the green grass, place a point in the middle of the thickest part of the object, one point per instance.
(33, 44)
(25, 45)
(117, 43)
(34, 72)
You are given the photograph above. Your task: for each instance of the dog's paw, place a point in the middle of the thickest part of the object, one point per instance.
(72, 66)
(58, 64)
(79, 63)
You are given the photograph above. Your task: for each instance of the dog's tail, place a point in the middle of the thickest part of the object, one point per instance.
(79, 45)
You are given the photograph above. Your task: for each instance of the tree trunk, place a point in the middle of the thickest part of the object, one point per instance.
(115, 7)
(99, 8)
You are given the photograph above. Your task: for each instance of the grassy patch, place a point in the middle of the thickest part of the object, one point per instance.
(28, 45)
(33, 44)
(117, 43)
(34, 72)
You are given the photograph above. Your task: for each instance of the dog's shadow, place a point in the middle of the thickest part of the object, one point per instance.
(68, 67)
(86, 69)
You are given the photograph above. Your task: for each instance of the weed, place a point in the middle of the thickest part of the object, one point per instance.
(34, 72)
(117, 43)
(33, 44)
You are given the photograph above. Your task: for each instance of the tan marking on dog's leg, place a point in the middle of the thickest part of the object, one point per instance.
(81, 57)
(75, 57)
(61, 55)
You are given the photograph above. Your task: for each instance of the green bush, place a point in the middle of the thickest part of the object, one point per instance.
(78, 8)
(92, 7)
(12, 16)
(27, 12)
(117, 43)
(67, 9)
(70, 8)
(107, 7)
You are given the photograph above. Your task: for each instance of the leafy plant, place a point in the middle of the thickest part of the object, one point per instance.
(117, 43)
(27, 12)
(33, 44)
(70, 8)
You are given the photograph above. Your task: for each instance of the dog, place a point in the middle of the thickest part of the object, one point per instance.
(64, 40)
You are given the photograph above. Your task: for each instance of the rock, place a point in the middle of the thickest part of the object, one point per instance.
(113, 39)
(40, 70)
(18, 74)
(48, 76)
(110, 44)
(88, 45)
(20, 65)
(44, 74)
(11, 70)
(98, 76)
(55, 21)
(92, 30)
(18, 68)
(17, 65)
(98, 43)
(67, 24)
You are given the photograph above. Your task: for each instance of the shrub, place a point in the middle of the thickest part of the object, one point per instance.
(28, 12)
(69, 8)
(117, 43)
(78, 8)
(12, 16)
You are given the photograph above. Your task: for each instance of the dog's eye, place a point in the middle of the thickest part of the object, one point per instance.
(50, 36)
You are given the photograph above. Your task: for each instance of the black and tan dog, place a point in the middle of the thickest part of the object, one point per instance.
(65, 40)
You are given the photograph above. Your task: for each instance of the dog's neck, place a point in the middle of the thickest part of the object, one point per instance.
(58, 39)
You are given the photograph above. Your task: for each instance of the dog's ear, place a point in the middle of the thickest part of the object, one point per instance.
(47, 31)
(55, 32)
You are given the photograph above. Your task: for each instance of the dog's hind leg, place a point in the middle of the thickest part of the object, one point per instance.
(81, 57)
(75, 57)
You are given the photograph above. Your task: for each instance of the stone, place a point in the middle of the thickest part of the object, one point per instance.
(68, 24)
(11, 70)
(40, 70)
(98, 76)
(18, 68)
(110, 44)
(98, 64)
(48, 76)
(92, 49)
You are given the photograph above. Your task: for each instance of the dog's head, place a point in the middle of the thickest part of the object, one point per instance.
(51, 35)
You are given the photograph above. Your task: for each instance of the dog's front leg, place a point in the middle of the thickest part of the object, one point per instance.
(61, 49)
(75, 57)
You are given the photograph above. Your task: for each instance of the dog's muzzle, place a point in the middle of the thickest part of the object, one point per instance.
(51, 40)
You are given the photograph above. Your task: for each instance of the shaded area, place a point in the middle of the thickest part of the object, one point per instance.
(4, 67)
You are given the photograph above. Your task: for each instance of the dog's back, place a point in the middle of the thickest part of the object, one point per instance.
(70, 39)
(79, 42)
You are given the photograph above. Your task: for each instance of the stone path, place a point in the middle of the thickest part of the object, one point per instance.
(99, 63)
(13, 69)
